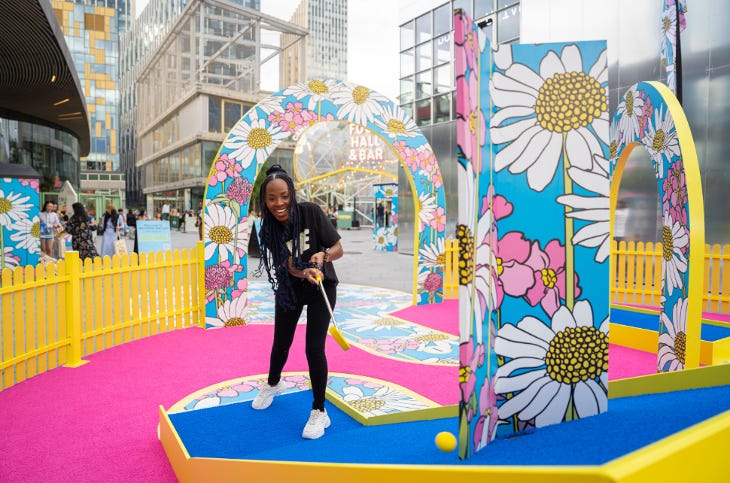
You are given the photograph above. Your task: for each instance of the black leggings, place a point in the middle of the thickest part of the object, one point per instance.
(285, 324)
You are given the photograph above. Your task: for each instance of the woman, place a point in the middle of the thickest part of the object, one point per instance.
(141, 217)
(110, 225)
(298, 245)
(49, 225)
(81, 230)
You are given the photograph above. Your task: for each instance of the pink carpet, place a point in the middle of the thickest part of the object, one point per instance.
(99, 422)
(624, 362)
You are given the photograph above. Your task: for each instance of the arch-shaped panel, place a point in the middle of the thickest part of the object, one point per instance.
(650, 115)
(253, 139)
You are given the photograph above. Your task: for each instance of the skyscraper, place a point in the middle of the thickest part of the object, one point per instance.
(323, 54)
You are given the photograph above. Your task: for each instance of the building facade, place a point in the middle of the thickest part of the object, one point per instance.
(192, 84)
(323, 53)
(92, 31)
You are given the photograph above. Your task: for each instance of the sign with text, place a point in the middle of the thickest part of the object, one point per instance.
(153, 235)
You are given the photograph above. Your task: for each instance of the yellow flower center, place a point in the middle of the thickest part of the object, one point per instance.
(5, 205)
(500, 267)
(472, 122)
(464, 373)
(613, 149)
(259, 138)
(220, 235)
(366, 404)
(360, 95)
(667, 243)
(318, 87)
(658, 140)
(466, 254)
(569, 101)
(666, 23)
(432, 337)
(680, 344)
(35, 230)
(396, 126)
(577, 354)
(549, 279)
(388, 322)
(235, 321)
(629, 104)
(440, 259)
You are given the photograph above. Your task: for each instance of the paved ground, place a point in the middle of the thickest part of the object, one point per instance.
(360, 265)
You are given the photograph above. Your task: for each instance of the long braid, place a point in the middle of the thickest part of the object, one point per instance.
(274, 235)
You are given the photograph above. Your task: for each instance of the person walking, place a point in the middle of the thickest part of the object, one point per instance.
(110, 225)
(81, 231)
(298, 245)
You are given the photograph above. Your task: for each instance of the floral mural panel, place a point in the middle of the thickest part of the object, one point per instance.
(285, 115)
(385, 233)
(534, 234)
(649, 115)
(20, 242)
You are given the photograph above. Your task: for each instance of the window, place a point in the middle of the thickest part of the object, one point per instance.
(423, 28)
(406, 89)
(424, 57)
(441, 108)
(483, 7)
(442, 79)
(407, 62)
(232, 111)
(424, 88)
(442, 19)
(406, 35)
(465, 5)
(442, 49)
(214, 114)
(509, 24)
(423, 112)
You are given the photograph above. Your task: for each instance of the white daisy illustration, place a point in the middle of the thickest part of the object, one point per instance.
(268, 105)
(674, 262)
(660, 139)
(549, 365)
(672, 344)
(372, 323)
(435, 342)
(539, 112)
(317, 90)
(432, 255)
(396, 122)
(384, 401)
(231, 313)
(254, 140)
(8, 259)
(628, 113)
(28, 234)
(593, 209)
(428, 208)
(357, 103)
(13, 207)
(223, 233)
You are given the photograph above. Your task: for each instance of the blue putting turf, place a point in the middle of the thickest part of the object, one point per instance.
(237, 431)
(709, 333)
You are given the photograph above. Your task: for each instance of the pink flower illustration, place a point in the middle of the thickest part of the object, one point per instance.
(360, 382)
(486, 425)
(241, 288)
(549, 274)
(239, 190)
(225, 168)
(438, 222)
(471, 126)
(473, 355)
(217, 277)
(433, 282)
(390, 346)
(514, 275)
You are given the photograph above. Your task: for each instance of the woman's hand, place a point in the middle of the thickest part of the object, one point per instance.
(313, 275)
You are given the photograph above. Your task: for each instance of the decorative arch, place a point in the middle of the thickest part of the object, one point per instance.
(650, 115)
(256, 135)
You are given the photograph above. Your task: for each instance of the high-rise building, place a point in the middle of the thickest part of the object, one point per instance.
(323, 53)
(191, 68)
(92, 30)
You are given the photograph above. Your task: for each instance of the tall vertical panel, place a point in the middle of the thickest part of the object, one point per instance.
(534, 235)
(20, 242)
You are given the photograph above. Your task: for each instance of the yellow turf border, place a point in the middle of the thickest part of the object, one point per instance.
(694, 454)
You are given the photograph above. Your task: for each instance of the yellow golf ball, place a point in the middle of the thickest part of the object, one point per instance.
(445, 441)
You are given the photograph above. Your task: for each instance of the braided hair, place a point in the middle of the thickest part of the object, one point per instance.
(274, 235)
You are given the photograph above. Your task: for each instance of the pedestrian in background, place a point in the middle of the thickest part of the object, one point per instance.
(81, 231)
(110, 226)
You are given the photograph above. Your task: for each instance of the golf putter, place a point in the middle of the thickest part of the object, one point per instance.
(333, 330)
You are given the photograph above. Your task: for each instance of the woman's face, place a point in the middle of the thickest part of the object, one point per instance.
(278, 199)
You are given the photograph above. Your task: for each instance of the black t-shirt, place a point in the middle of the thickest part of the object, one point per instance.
(317, 233)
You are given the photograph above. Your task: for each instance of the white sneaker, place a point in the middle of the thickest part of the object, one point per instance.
(318, 420)
(266, 395)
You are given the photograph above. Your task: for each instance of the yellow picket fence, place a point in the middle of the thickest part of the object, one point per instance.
(636, 272)
(56, 314)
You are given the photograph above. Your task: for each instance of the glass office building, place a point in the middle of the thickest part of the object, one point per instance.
(92, 29)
